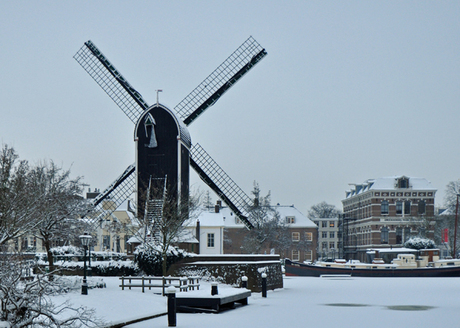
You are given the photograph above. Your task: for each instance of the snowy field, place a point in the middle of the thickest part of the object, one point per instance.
(304, 301)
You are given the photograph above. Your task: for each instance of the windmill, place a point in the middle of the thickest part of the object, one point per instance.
(164, 150)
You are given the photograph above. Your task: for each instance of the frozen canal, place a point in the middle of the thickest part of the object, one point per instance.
(347, 302)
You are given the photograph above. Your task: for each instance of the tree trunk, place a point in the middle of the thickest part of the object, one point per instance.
(47, 244)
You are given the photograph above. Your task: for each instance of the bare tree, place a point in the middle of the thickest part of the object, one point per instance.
(27, 303)
(59, 207)
(16, 202)
(323, 210)
(450, 198)
(446, 221)
(269, 230)
(169, 225)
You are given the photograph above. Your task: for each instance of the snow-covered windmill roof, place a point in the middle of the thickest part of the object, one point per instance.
(388, 183)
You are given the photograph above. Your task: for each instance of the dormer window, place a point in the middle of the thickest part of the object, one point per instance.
(290, 219)
(403, 183)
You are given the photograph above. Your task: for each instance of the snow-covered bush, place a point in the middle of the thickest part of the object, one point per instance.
(149, 259)
(420, 243)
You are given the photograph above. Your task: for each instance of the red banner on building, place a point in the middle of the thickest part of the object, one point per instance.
(445, 235)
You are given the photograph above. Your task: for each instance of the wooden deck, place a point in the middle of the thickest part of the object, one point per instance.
(208, 303)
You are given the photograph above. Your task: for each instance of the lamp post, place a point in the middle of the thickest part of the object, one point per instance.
(85, 239)
(455, 228)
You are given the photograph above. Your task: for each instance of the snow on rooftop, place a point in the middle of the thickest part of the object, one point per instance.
(228, 219)
(388, 183)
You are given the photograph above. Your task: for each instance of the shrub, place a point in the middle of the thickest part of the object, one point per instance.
(419, 243)
(150, 261)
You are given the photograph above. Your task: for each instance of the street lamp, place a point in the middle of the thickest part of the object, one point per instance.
(85, 240)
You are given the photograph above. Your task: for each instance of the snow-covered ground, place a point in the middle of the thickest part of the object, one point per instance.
(304, 301)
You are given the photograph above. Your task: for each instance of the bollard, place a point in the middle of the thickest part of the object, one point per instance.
(264, 284)
(171, 292)
(244, 282)
(214, 288)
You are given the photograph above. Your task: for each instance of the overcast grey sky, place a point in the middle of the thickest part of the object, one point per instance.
(350, 90)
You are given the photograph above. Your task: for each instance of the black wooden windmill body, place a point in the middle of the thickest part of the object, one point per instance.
(164, 150)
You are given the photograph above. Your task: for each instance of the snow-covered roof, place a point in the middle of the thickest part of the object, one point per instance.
(388, 183)
(227, 219)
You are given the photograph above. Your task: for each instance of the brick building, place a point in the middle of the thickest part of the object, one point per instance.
(219, 231)
(386, 212)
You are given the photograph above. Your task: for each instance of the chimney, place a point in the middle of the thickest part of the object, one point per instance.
(218, 206)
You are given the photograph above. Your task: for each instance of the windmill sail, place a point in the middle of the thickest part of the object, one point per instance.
(111, 81)
(111, 198)
(202, 97)
(219, 81)
(219, 181)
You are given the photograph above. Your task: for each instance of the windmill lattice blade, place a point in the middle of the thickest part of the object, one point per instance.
(111, 81)
(219, 181)
(112, 197)
(219, 81)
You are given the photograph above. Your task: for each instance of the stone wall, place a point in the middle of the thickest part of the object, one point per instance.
(229, 269)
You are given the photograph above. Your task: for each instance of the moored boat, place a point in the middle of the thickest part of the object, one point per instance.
(405, 265)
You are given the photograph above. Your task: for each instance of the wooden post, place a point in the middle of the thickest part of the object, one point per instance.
(244, 282)
(214, 290)
(264, 284)
(122, 283)
(171, 291)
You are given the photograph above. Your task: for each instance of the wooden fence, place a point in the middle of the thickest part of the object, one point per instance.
(182, 283)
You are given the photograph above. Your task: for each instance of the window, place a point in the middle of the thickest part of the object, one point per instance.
(290, 219)
(324, 234)
(324, 224)
(324, 245)
(25, 243)
(406, 234)
(384, 207)
(407, 207)
(384, 235)
(295, 236)
(421, 207)
(331, 245)
(403, 183)
(308, 255)
(210, 240)
(331, 234)
(308, 236)
(118, 245)
(399, 206)
(398, 235)
(106, 242)
(295, 255)
(331, 224)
